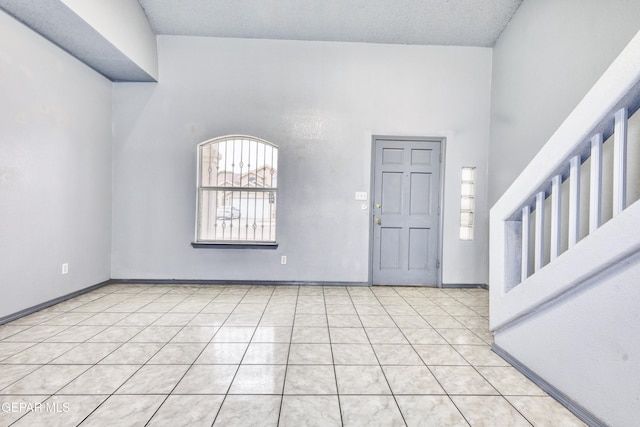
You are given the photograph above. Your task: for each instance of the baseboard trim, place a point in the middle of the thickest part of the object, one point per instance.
(577, 409)
(444, 286)
(234, 282)
(46, 304)
(465, 286)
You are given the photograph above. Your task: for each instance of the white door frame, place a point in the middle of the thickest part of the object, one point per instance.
(443, 144)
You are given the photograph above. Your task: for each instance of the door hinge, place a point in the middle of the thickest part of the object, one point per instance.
(437, 263)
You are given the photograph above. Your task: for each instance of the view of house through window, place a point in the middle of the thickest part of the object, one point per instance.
(237, 190)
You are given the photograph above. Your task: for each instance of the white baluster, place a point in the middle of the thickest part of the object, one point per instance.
(620, 162)
(526, 211)
(539, 237)
(595, 190)
(574, 200)
(556, 218)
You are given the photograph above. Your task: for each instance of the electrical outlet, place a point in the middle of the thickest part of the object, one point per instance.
(65, 268)
(283, 259)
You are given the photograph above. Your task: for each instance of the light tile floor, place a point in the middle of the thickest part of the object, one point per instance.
(185, 355)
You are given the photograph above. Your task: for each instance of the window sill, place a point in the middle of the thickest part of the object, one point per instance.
(218, 245)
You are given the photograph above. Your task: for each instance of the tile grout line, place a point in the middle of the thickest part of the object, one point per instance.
(113, 393)
(70, 381)
(194, 360)
(376, 354)
(333, 360)
(434, 376)
(286, 370)
(476, 370)
(448, 343)
(245, 350)
(239, 363)
(481, 375)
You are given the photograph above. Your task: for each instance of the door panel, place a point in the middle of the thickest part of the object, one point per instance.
(419, 248)
(406, 212)
(420, 157)
(392, 156)
(420, 193)
(390, 248)
(391, 197)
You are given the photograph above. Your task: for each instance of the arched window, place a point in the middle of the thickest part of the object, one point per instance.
(237, 190)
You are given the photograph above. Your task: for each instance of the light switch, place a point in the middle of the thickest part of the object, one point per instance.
(361, 195)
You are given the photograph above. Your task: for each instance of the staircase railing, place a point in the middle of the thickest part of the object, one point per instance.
(540, 245)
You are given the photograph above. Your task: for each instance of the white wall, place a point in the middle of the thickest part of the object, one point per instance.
(55, 171)
(548, 57)
(588, 346)
(321, 102)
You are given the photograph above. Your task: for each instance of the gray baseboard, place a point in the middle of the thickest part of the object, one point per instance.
(577, 409)
(234, 282)
(46, 304)
(277, 283)
(465, 286)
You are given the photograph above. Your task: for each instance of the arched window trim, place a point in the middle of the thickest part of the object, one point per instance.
(236, 192)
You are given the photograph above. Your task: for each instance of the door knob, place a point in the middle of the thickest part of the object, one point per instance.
(378, 221)
(378, 205)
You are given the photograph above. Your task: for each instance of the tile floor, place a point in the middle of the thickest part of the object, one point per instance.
(183, 355)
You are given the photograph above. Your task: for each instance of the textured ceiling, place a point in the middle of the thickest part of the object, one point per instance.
(426, 22)
(59, 24)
